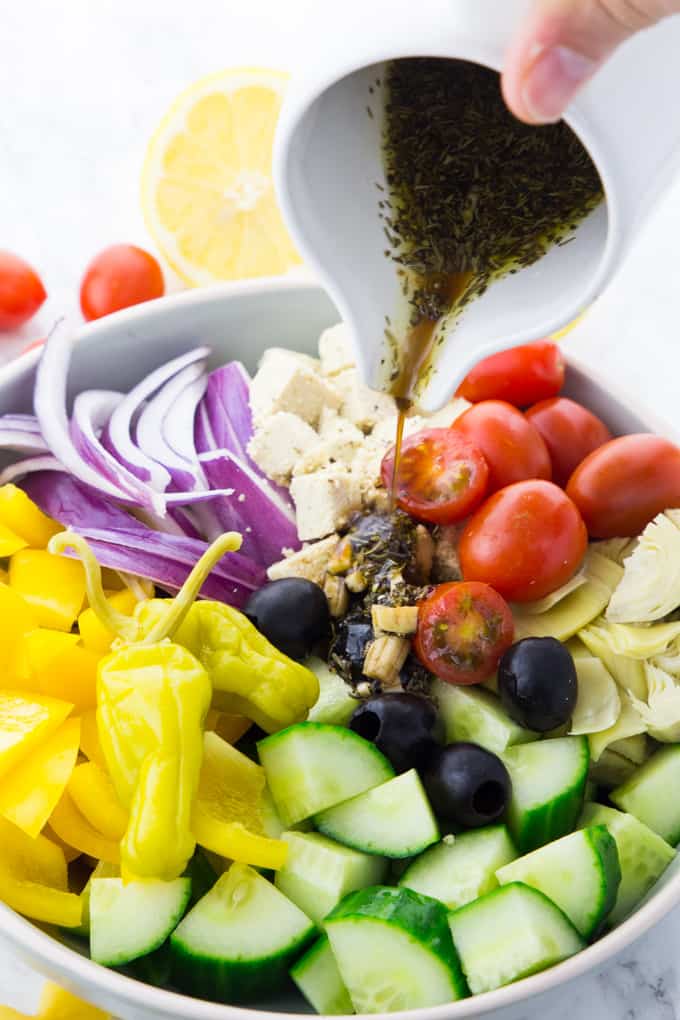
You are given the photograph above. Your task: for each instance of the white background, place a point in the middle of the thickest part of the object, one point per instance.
(83, 83)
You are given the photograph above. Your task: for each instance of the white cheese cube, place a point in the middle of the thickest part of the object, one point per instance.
(363, 406)
(290, 382)
(280, 442)
(310, 562)
(386, 430)
(338, 450)
(335, 350)
(366, 466)
(324, 501)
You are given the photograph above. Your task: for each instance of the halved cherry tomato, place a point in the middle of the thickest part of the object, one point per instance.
(512, 447)
(570, 431)
(526, 540)
(120, 276)
(623, 485)
(21, 291)
(441, 476)
(463, 629)
(521, 375)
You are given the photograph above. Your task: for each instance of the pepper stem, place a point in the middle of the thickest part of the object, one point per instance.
(125, 627)
(186, 596)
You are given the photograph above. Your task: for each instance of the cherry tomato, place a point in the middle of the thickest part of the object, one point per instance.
(441, 476)
(120, 276)
(512, 447)
(463, 629)
(570, 431)
(623, 485)
(21, 291)
(526, 540)
(521, 375)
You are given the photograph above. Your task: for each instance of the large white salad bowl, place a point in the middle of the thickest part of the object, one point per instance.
(239, 321)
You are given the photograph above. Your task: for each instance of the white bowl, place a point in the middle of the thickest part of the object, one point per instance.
(241, 321)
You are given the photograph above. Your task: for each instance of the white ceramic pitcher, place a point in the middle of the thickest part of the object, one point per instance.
(328, 160)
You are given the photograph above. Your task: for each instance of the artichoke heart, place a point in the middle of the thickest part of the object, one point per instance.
(661, 712)
(629, 673)
(640, 642)
(650, 587)
(598, 704)
(628, 724)
(615, 549)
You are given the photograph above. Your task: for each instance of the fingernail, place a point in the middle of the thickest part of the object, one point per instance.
(552, 81)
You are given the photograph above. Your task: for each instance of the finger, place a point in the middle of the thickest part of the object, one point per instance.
(562, 44)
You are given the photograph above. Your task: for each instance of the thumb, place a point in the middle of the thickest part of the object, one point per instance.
(561, 45)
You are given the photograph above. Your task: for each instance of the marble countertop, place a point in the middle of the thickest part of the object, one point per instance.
(83, 87)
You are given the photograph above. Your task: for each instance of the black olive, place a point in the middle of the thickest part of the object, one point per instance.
(466, 784)
(400, 725)
(292, 613)
(537, 683)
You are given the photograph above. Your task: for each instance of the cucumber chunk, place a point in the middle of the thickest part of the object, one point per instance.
(312, 766)
(463, 868)
(393, 820)
(643, 856)
(335, 703)
(394, 951)
(548, 789)
(239, 939)
(649, 794)
(317, 976)
(102, 870)
(476, 715)
(580, 873)
(319, 872)
(509, 934)
(132, 919)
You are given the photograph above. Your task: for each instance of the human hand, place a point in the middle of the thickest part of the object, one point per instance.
(562, 43)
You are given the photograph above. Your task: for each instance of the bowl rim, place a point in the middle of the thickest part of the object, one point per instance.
(52, 958)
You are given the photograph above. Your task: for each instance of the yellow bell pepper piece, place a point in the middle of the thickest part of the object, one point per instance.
(10, 542)
(17, 619)
(71, 827)
(227, 816)
(70, 852)
(26, 721)
(20, 514)
(54, 663)
(89, 738)
(53, 586)
(57, 1004)
(94, 634)
(93, 793)
(33, 878)
(230, 727)
(152, 704)
(30, 791)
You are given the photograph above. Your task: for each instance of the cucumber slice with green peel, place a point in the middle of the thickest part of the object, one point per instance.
(335, 703)
(462, 868)
(580, 873)
(476, 715)
(393, 820)
(394, 950)
(548, 788)
(132, 919)
(319, 872)
(649, 794)
(240, 938)
(313, 766)
(317, 976)
(643, 856)
(509, 934)
(202, 874)
(102, 870)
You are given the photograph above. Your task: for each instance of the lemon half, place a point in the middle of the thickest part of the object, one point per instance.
(207, 190)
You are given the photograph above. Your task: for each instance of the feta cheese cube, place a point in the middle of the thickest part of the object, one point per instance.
(363, 406)
(366, 466)
(324, 501)
(326, 452)
(310, 562)
(386, 430)
(335, 350)
(290, 382)
(442, 419)
(278, 444)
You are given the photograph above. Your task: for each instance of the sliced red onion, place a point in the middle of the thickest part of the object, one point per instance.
(227, 405)
(270, 521)
(49, 399)
(204, 439)
(21, 441)
(21, 422)
(73, 504)
(118, 437)
(150, 435)
(26, 467)
(179, 418)
(91, 411)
